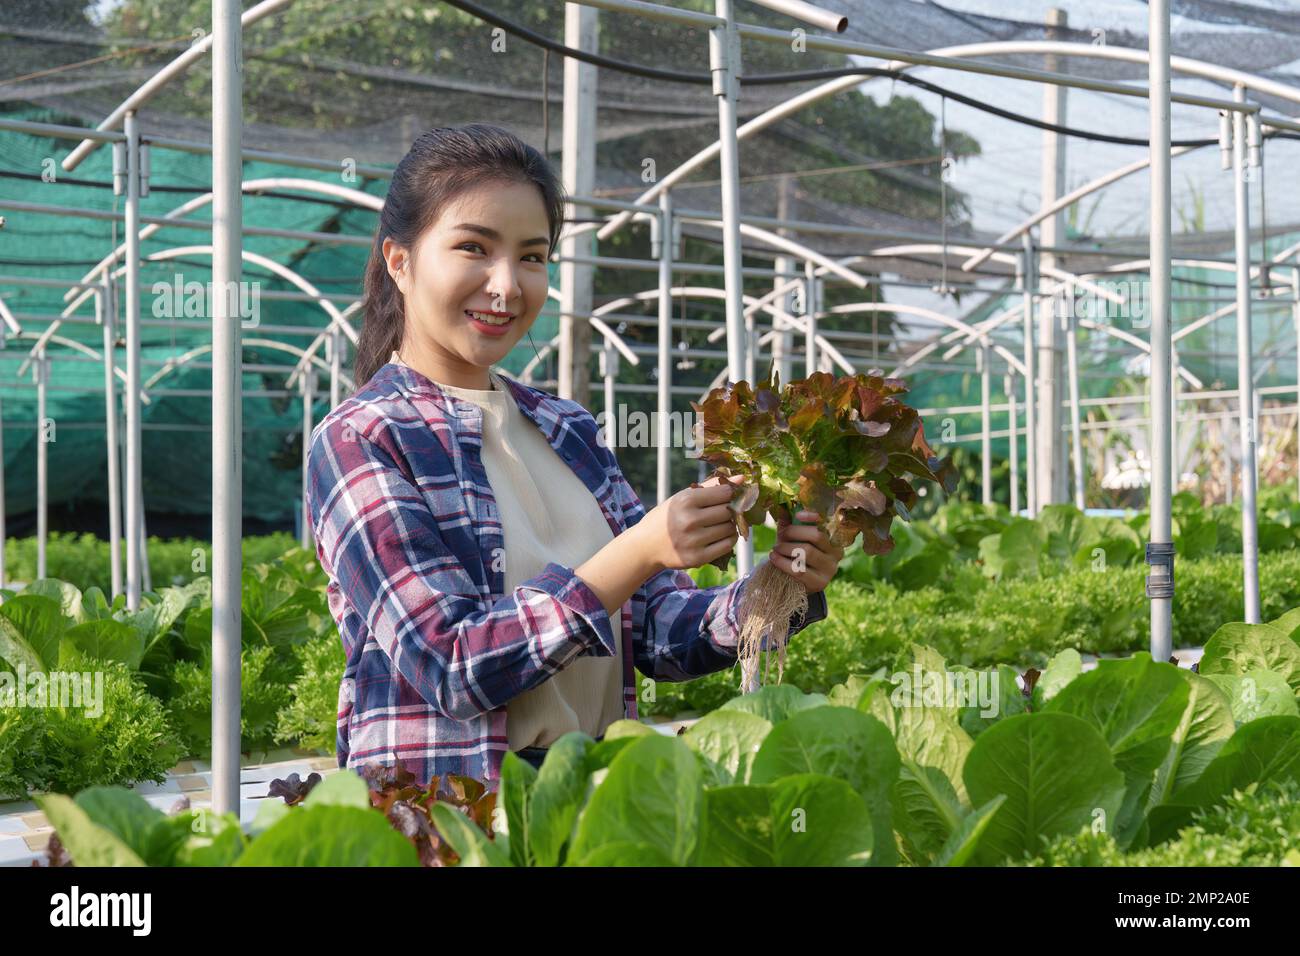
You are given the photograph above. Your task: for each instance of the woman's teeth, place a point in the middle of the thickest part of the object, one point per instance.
(488, 319)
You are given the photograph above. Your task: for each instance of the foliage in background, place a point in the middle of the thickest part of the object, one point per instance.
(158, 680)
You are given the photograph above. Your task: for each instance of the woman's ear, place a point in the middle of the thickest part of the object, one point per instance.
(398, 262)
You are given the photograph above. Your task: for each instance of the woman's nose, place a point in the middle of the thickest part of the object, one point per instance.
(502, 284)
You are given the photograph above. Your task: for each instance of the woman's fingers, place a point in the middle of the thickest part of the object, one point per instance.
(713, 514)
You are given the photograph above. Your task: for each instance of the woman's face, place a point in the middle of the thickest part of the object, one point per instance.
(484, 257)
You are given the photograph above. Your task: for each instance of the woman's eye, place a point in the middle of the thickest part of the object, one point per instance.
(535, 256)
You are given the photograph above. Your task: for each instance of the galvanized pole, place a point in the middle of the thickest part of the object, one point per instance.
(1076, 432)
(724, 63)
(1295, 288)
(131, 394)
(227, 399)
(578, 170)
(665, 249)
(106, 307)
(608, 369)
(146, 577)
(1014, 448)
(1245, 377)
(811, 306)
(308, 388)
(1160, 548)
(986, 443)
(41, 370)
(334, 346)
(1029, 285)
(1050, 451)
(3, 533)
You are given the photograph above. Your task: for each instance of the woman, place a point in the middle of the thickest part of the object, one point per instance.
(494, 577)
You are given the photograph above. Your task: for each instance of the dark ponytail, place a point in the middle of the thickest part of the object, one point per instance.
(439, 165)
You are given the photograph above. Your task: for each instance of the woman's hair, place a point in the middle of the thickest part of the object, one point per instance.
(440, 164)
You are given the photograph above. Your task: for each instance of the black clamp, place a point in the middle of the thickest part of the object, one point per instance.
(1160, 555)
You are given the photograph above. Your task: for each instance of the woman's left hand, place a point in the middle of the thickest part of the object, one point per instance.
(805, 552)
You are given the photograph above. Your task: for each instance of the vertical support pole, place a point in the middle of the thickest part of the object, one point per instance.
(811, 305)
(1014, 446)
(1076, 430)
(1245, 375)
(1295, 289)
(41, 368)
(1050, 450)
(578, 171)
(986, 442)
(665, 250)
(783, 340)
(131, 394)
(307, 383)
(145, 576)
(334, 344)
(227, 400)
(1028, 276)
(1160, 547)
(724, 63)
(4, 535)
(608, 369)
(1176, 388)
(106, 307)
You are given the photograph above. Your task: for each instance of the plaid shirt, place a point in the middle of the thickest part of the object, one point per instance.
(407, 530)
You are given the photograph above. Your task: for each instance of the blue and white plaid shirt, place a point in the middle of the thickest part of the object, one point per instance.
(407, 530)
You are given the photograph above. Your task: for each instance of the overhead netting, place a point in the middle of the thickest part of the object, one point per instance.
(356, 83)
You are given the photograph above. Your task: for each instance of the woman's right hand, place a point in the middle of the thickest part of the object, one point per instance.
(693, 527)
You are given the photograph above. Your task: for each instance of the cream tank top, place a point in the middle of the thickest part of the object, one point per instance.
(547, 514)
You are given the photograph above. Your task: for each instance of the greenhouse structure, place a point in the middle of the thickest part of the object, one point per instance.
(185, 226)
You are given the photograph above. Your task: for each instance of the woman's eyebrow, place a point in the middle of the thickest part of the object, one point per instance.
(496, 236)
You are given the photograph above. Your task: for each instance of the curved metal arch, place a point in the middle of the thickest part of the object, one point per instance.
(309, 353)
(78, 347)
(76, 297)
(800, 323)
(840, 84)
(1087, 189)
(8, 317)
(923, 312)
(197, 50)
(1060, 275)
(1177, 64)
(176, 362)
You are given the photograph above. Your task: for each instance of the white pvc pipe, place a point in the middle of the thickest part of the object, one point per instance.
(308, 389)
(986, 444)
(42, 373)
(663, 469)
(134, 452)
(106, 306)
(1028, 282)
(1014, 449)
(1072, 362)
(227, 402)
(1245, 378)
(725, 64)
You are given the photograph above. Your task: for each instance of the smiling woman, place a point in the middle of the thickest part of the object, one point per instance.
(458, 272)
(494, 577)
